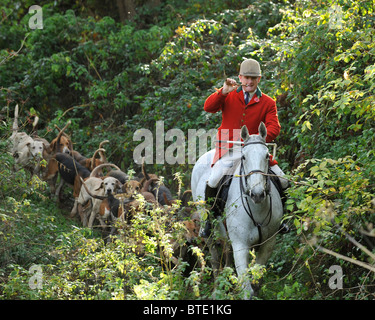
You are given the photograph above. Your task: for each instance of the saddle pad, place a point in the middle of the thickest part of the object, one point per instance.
(222, 194)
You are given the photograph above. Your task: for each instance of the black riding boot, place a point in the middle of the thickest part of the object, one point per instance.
(284, 228)
(210, 197)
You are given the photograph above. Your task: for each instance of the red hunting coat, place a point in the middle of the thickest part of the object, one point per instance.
(235, 114)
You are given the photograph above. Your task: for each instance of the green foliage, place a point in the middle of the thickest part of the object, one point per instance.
(327, 73)
(323, 67)
(77, 264)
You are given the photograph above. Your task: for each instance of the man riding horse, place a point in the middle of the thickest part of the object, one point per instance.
(240, 105)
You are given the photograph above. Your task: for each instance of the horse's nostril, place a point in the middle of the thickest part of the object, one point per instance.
(257, 197)
(248, 192)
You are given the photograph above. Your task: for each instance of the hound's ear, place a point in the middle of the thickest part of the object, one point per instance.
(100, 187)
(52, 146)
(262, 130)
(47, 148)
(244, 133)
(185, 198)
(118, 184)
(166, 200)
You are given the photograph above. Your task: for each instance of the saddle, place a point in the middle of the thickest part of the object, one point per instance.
(223, 189)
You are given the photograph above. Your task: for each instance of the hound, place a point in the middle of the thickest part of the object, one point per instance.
(111, 207)
(160, 191)
(27, 152)
(191, 233)
(91, 163)
(70, 171)
(61, 144)
(97, 186)
(119, 175)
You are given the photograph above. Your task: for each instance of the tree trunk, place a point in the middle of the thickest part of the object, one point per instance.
(126, 9)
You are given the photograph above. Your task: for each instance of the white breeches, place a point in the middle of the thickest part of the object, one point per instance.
(224, 166)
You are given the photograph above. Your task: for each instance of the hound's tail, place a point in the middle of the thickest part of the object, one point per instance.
(36, 120)
(15, 122)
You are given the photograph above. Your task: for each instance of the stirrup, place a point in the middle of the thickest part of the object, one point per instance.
(284, 228)
(206, 231)
(208, 193)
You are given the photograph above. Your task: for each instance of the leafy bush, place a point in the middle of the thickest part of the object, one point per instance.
(323, 75)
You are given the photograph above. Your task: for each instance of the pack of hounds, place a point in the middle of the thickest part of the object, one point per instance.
(102, 191)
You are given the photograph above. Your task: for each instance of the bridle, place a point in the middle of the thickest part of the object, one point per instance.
(245, 195)
(267, 188)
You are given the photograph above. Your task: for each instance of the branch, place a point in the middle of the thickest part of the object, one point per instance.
(80, 106)
(340, 256)
(11, 55)
(355, 242)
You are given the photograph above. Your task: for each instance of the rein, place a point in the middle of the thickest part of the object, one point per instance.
(245, 199)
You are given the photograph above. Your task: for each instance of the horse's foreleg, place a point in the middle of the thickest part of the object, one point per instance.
(265, 251)
(241, 260)
(215, 259)
(227, 253)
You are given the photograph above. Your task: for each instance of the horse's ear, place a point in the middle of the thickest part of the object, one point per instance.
(244, 133)
(262, 130)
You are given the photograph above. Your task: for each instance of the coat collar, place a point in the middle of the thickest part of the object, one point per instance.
(258, 92)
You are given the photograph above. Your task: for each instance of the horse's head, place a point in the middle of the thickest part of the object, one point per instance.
(255, 162)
